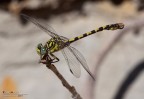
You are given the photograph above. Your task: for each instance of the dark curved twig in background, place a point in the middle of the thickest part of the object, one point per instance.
(106, 49)
(129, 80)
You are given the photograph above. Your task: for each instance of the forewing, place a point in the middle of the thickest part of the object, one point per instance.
(64, 39)
(72, 62)
(46, 28)
(81, 59)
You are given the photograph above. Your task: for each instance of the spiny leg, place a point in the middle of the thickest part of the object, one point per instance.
(46, 59)
(55, 59)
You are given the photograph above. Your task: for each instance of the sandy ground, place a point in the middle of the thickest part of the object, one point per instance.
(19, 59)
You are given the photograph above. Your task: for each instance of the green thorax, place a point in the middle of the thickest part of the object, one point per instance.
(55, 44)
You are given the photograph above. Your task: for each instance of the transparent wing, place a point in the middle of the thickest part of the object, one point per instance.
(81, 59)
(63, 38)
(72, 62)
(46, 28)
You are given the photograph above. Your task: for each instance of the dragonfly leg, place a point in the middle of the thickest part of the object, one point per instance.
(55, 59)
(46, 59)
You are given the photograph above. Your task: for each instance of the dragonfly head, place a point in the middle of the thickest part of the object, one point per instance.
(41, 50)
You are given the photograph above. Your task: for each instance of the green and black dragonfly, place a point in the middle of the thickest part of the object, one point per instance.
(59, 43)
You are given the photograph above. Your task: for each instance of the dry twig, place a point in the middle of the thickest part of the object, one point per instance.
(71, 89)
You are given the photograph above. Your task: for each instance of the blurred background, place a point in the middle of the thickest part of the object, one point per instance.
(116, 58)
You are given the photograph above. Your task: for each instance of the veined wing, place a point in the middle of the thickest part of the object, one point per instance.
(46, 28)
(64, 39)
(80, 59)
(72, 62)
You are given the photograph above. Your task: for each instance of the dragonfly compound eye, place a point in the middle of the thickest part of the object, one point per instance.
(43, 51)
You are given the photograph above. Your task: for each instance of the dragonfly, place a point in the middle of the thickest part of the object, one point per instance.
(57, 43)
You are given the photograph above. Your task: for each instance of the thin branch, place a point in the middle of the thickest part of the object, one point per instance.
(75, 94)
(71, 89)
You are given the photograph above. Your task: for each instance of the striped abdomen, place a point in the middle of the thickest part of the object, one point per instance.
(107, 27)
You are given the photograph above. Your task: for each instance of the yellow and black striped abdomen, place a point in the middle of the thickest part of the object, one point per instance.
(107, 27)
